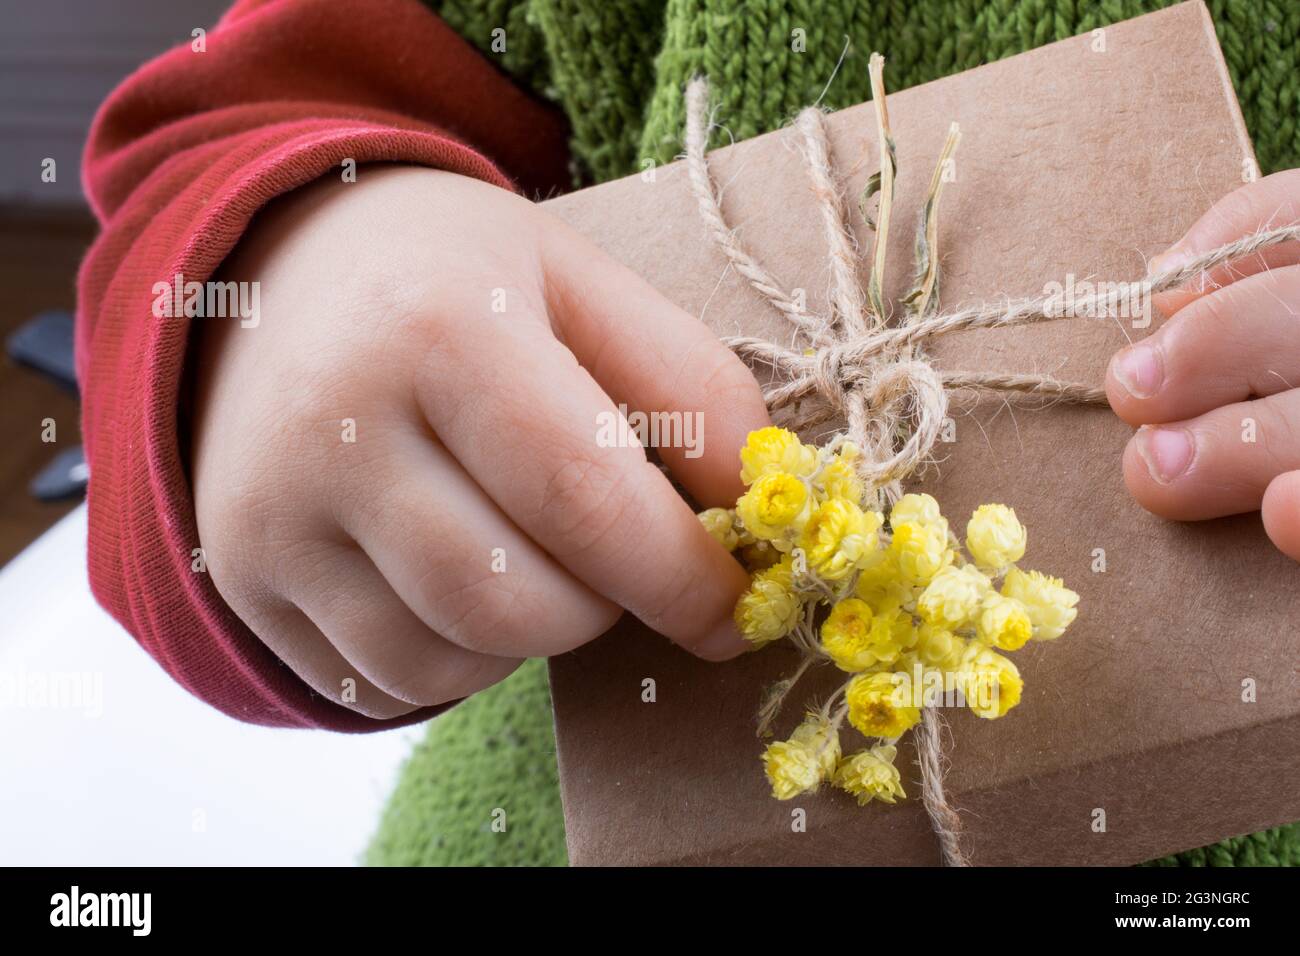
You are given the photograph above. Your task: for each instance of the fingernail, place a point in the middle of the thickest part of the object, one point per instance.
(1167, 452)
(723, 643)
(1140, 370)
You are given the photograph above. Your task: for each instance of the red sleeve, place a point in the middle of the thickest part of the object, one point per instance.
(180, 157)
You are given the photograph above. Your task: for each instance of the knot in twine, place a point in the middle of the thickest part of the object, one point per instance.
(860, 365)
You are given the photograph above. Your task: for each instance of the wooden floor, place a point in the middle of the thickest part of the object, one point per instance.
(39, 254)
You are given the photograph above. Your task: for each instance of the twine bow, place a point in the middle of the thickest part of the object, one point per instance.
(861, 365)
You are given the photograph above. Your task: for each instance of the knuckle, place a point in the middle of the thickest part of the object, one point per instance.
(726, 378)
(376, 501)
(257, 536)
(1186, 342)
(667, 598)
(1239, 208)
(1191, 325)
(432, 339)
(480, 614)
(584, 503)
(1276, 433)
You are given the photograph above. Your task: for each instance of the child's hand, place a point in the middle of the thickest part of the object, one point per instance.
(1221, 378)
(475, 448)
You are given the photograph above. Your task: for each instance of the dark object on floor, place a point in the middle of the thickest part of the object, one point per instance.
(63, 478)
(45, 343)
(39, 252)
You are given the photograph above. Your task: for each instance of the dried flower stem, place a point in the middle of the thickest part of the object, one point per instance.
(922, 298)
(875, 295)
(777, 693)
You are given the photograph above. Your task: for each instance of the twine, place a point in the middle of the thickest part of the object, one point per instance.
(853, 365)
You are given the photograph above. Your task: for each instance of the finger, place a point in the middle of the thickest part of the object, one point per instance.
(1271, 202)
(655, 358)
(602, 511)
(294, 639)
(462, 566)
(1281, 513)
(1217, 464)
(354, 608)
(1236, 343)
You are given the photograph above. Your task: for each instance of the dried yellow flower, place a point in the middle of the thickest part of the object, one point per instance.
(800, 764)
(990, 683)
(721, 524)
(905, 613)
(838, 537)
(876, 707)
(918, 509)
(871, 775)
(953, 598)
(775, 507)
(921, 551)
(856, 638)
(770, 609)
(1003, 623)
(772, 450)
(939, 648)
(995, 537)
(1049, 603)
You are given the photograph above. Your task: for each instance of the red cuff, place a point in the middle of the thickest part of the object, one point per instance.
(142, 527)
(181, 158)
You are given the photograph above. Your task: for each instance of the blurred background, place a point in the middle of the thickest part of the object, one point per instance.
(103, 760)
(58, 60)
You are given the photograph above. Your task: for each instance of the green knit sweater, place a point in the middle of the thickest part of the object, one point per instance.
(617, 69)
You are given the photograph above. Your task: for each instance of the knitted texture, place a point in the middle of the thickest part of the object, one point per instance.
(1279, 846)
(618, 70)
(491, 759)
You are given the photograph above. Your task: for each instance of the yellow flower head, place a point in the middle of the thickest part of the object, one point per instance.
(774, 507)
(801, 763)
(995, 537)
(906, 610)
(921, 551)
(877, 574)
(856, 638)
(838, 537)
(939, 648)
(720, 523)
(770, 608)
(846, 635)
(875, 707)
(771, 450)
(990, 683)
(871, 775)
(839, 477)
(895, 625)
(1050, 604)
(917, 509)
(1003, 623)
(953, 598)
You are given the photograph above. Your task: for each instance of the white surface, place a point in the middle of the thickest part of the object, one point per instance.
(126, 768)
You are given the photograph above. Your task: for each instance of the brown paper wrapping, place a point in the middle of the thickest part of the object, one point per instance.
(1073, 160)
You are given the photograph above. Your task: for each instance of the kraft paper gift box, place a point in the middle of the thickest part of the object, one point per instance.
(1169, 715)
